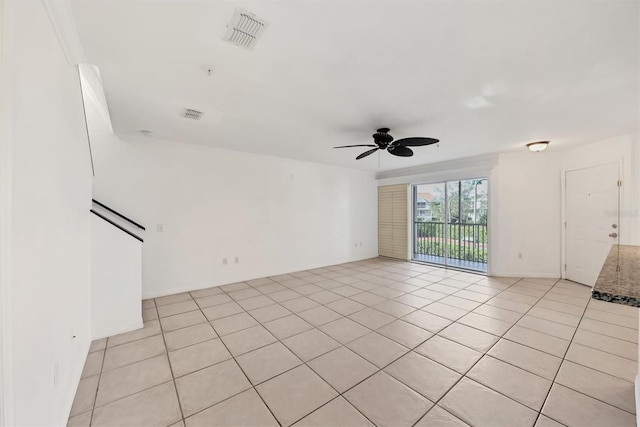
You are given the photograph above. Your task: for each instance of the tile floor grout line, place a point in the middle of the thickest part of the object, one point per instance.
(410, 349)
(480, 358)
(591, 397)
(553, 382)
(345, 345)
(140, 360)
(233, 357)
(607, 312)
(556, 376)
(306, 363)
(137, 339)
(93, 407)
(95, 397)
(597, 370)
(609, 323)
(571, 341)
(610, 336)
(162, 332)
(378, 370)
(139, 391)
(389, 276)
(173, 378)
(605, 351)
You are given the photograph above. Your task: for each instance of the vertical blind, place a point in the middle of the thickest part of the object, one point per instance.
(393, 221)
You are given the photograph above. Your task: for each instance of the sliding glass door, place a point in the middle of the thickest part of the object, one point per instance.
(450, 223)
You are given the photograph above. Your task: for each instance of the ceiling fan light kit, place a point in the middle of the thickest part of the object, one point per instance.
(383, 141)
(537, 146)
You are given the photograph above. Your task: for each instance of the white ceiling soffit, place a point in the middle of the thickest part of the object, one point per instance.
(93, 91)
(481, 76)
(464, 168)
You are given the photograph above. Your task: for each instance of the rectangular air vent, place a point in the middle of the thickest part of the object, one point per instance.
(244, 29)
(192, 114)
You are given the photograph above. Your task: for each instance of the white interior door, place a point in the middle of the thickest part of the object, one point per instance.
(592, 196)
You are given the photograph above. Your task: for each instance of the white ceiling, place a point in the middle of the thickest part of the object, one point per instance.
(482, 76)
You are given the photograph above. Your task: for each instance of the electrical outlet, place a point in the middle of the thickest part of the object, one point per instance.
(160, 228)
(224, 261)
(237, 260)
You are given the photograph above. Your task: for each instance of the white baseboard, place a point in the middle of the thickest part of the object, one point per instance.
(191, 288)
(520, 274)
(172, 291)
(117, 330)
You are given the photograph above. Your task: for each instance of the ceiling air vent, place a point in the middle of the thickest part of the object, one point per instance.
(244, 29)
(192, 114)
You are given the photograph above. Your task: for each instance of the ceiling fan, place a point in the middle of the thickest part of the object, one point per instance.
(383, 141)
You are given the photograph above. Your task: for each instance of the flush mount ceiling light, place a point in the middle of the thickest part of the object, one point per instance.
(537, 146)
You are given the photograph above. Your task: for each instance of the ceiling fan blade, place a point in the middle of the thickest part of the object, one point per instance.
(366, 153)
(415, 142)
(360, 145)
(400, 151)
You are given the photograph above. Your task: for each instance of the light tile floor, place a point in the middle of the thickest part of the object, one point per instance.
(375, 342)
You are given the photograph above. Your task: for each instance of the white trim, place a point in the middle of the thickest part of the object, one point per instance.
(115, 331)
(525, 274)
(7, 407)
(64, 24)
(93, 91)
(192, 288)
(491, 205)
(471, 164)
(563, 204)
(409, 248)
(411, 220)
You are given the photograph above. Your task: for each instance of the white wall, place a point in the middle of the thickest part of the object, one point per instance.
(48, 207)
(524, 215)
(116, 280)
(525, 200)
(276, 215)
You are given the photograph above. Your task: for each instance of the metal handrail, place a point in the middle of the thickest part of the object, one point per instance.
(462, 241)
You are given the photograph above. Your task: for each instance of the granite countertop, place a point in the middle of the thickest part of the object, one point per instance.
(620, 285)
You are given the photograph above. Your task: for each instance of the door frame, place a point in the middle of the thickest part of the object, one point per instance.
(412, 211)
(563, 204)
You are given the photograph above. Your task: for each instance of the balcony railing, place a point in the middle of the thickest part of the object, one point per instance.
(465, 242)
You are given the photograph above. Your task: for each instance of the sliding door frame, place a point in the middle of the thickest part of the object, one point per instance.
(446, 218)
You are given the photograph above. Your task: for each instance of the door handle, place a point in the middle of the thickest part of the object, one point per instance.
(613, 235)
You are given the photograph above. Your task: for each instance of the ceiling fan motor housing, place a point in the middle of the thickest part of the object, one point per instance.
(382, 137)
